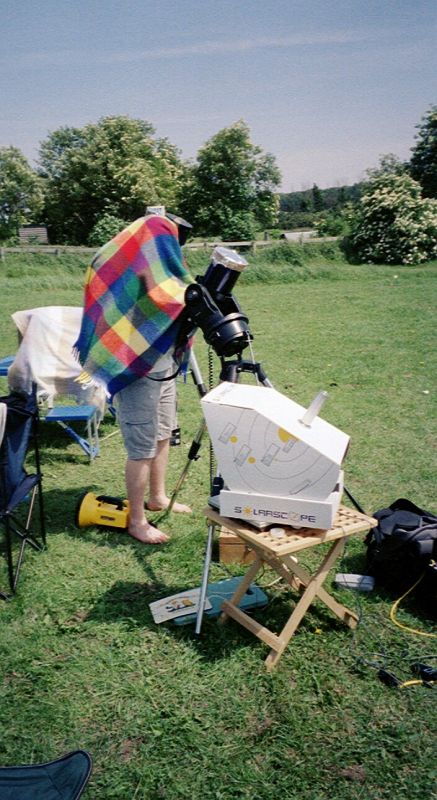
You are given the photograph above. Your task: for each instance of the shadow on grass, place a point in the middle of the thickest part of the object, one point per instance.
(128, 602)
(57, 444)
(61, 508)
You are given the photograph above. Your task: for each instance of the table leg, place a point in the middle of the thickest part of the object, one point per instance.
(242, 587)
(345, 614)
(313, 588)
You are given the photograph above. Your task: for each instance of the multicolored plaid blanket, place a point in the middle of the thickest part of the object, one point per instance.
(134, 294)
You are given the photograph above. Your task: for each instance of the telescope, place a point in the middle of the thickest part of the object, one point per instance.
(211, 306)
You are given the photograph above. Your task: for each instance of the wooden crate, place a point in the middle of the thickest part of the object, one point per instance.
(232, 549)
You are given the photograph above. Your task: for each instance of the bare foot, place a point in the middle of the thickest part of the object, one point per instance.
(147, 534)
(157, 505)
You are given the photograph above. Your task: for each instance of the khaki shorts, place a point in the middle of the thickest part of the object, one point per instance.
(146, 413)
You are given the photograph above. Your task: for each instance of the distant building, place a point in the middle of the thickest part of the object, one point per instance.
(33, 234)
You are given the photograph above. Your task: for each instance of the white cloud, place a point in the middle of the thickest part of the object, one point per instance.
(206, 48)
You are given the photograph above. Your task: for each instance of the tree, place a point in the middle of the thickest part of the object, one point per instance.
(389, 164)
(392, 223)
(341, 199)
(423, 164)
(230, 189)
(21, 196)
(113, 167)
(317, 198)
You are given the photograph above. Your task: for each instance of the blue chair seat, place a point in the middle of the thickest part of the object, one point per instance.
(63, 779)
(88, 414)
(5, 363)
(64, 413)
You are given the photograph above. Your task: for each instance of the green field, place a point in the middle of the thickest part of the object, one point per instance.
(165, 714)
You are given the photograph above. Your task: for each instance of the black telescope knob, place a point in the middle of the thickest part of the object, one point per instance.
(193, 294)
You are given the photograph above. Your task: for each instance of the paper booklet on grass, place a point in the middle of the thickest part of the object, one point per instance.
(177, 605)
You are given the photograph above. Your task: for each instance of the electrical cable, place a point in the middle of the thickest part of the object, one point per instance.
(380, 659)
(212, 459)
(416, 682)
(405, 627)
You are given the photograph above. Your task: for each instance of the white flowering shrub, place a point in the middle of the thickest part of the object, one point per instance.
(392, 223)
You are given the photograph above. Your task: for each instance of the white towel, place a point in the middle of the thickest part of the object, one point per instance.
(45, 356)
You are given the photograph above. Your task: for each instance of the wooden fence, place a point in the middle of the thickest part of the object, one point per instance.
(252, 246)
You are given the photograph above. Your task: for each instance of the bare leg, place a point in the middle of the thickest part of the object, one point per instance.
(137, 475)
(158, 499)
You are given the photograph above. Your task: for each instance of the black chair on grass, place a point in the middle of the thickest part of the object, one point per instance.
(19, 490)
(63, 779)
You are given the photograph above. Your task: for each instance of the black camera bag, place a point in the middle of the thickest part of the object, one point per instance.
(402, 549)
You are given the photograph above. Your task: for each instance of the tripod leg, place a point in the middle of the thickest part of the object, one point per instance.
(205, 576)
(192, 456)
(197, 375)
(195, 445)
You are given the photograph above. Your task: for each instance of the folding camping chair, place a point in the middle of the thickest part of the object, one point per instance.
(62, 779)
(46, 357)
(19, 490)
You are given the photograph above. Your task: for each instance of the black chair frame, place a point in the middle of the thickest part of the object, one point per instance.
(22, 411)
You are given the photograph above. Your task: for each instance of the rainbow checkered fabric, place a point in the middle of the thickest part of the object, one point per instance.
(134, 294)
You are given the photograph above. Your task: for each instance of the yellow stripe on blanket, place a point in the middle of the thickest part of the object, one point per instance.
(168, 290)
(126, 331)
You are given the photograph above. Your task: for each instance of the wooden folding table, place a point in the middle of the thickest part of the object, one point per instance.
(276, 548)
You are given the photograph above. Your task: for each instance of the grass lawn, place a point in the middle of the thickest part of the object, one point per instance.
(165, 714)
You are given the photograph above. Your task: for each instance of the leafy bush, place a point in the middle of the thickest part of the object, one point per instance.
(274, 233)
(105, 228)
(333, 224)
(392, 224)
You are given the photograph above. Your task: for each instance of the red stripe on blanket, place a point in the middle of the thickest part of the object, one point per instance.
(118, 348)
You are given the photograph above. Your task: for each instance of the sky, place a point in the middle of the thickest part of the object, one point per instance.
(326, 86)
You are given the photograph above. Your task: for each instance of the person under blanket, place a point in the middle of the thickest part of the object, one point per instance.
(134, 296)
(146, 411)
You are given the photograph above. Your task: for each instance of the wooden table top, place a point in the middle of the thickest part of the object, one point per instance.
(285, 540)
